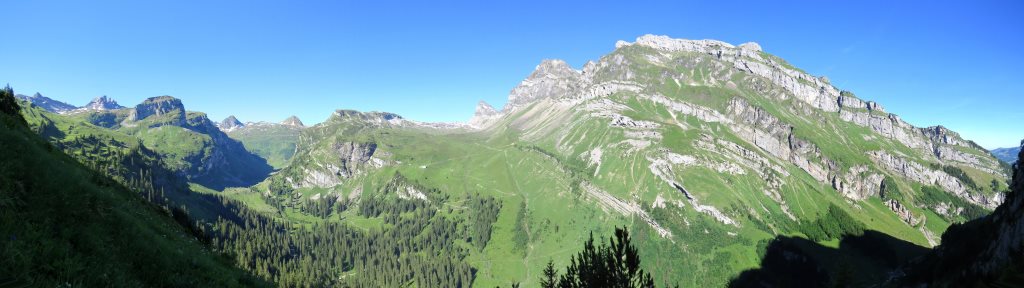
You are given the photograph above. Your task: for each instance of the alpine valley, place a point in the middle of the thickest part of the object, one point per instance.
(726, 165)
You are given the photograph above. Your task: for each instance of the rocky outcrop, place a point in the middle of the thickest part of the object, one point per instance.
(905, 214)
(229, 124)
(919, 173)
(937, 141)
(776, 137)
(751, 46)
(484, 115)
(159, 106)
(293, 121)
(551, 79)
(348, 159)
(858, 182)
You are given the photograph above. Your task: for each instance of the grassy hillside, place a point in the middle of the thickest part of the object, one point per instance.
(274, 142)
(63, 224)
(705, 163)
(188, 142)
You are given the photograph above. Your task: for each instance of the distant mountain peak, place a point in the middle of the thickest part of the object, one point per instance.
(293, 121)
(484, 114)
(102, 103)
(372, 117)
(47, 103)
(230, 123)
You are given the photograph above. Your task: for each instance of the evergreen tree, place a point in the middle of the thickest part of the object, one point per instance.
(9, 105)
(613, 264)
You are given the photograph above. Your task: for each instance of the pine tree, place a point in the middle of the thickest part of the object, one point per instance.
(613, 264)
(550, 278)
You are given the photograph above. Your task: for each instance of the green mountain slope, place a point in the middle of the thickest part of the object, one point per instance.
(724, 163)
(705, 148)
(63, 224)
(188, 141)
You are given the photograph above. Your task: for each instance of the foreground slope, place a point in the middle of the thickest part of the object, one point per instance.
(709, 150)
(64, 224)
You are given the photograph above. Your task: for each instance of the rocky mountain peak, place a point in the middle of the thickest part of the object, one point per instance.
(230, 123)
(666, 43)
(484, 109)
(484, 114)
(554, 67)
(293, 121)
(551, 78)
(752, 46)
(102, 103)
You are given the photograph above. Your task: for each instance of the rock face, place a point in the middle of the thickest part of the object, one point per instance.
(903, 212)
(293, 121)
(751, 46)
(919, 173)
(766, 104)
(229, 124)
(552, 78)
(159, 106)
(102, 103)
(47, 103)
(327, 162)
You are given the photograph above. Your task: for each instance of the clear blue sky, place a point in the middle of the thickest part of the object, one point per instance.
(932, 62)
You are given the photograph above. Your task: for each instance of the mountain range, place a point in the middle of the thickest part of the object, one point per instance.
(727, 164)
(1008, 155)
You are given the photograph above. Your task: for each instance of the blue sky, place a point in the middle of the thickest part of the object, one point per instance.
(957, 64)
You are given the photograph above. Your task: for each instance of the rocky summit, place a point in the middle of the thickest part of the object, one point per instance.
(102, 103)
(229, 124)
(163, 106)
(293, 121)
